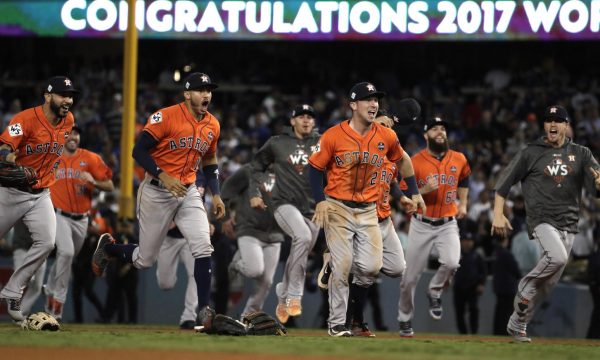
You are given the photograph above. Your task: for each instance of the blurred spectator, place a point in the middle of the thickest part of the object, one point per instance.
(594, 281)
(506, 278)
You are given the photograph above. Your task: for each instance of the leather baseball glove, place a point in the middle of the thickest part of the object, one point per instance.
(224, 325)
(261, 323)
(40, 321)
(17, 176)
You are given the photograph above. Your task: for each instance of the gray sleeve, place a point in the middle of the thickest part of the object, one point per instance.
(589, 162)
(261, 161)
(235, 185)
(513, 173)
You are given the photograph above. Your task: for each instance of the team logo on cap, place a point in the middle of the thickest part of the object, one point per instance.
(381, 146)
(353, 95)
(370, 87)
(49, 88)
(553, 110)
(156, 118)
(15, 130)
(67, 82)
(204, 78)
(187, 84)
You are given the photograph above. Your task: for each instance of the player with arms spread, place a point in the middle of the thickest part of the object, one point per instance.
(552, 171)
(34, 137)
(173, 144)
(351, 155)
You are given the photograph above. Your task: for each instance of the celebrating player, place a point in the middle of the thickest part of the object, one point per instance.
(351, 155)
(442, 174)
(77, 173)
(552, 171)
(173, 144)
(292, 201)
(35, 137)
(258, 238)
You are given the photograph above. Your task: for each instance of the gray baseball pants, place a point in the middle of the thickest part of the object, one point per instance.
(37, 214)
(34, 287)
(257, 260)
(422, 237)
(355, 244)
(536, 285)
(304, 235)
(156, 209)
(70, 235)
(171, 252)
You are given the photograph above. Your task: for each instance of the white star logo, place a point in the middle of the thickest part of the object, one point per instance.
(437, 119)
(305, 107)
(553, 110)
(370, 87)
(67, 82)
(204, 78)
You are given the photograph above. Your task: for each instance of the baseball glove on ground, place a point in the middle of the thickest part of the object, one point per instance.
(224, 325)
(12, 175)
(261, 323)
(40, 321)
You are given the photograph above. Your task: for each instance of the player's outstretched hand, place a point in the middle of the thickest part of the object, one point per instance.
(409, 206)
(500, 226)
(174, 186)
(257, 203)
(596, 174)
(321, 214)
(218, 207)
(418, 200)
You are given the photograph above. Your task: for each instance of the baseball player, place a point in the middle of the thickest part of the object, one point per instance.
(442, 175)
(552, 171)
(173, 144)
(393, 255)
(21, 240)
(174, 249)
(78, 172)
(292, 201)
(34, 137)
(258, 238)
(351, 154)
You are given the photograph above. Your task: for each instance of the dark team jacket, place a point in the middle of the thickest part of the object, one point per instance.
(257, 223)
(289, 156)
(551, 180)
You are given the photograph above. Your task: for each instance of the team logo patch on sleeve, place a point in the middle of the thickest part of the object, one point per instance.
(156, 118)
(381, 146)
(15, 130)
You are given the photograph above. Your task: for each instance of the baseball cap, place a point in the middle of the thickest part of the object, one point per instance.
(364, 90)
(197, 81)
(76, 128)
(304, 109)
(434, 121)
(556, 112)
(60, 85)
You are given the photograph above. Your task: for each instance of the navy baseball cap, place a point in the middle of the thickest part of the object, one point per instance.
(198, 81)
(304, 109)
(60, 85)
(363, 90)
(434, 121)
(556, 112)
(76, 128)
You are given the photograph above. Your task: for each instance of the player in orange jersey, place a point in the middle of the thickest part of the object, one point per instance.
(442, 175)
(176, 141)
(78, 173)
(351, 155)
(35, 137)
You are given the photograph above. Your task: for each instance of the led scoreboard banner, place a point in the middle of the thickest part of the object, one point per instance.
(307, 20)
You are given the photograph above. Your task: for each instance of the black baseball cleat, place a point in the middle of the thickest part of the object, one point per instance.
(187, 325)
(13, 307)
(99, 259)
(435, 307)
(323, 278)
(339, 331)
(406, 329)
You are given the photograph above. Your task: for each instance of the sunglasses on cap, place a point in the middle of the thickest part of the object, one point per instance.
(556, 120)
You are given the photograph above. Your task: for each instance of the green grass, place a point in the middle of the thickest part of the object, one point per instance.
(302, 342)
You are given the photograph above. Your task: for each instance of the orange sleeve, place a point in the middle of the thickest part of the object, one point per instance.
(100, 171)
(321, 158)
(16, 131)
(157, 125)
(466, 169)
(213, 146)
(395, 151)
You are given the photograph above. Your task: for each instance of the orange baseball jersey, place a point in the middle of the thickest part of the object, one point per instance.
(354, 163)
(388, 173)
(68, 192)
(450, 171)
(182, 141)
(36, 142)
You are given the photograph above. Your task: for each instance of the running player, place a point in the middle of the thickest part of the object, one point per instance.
(34, 137)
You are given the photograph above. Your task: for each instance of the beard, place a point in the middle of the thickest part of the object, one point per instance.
(436, 147)
(56, 109)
